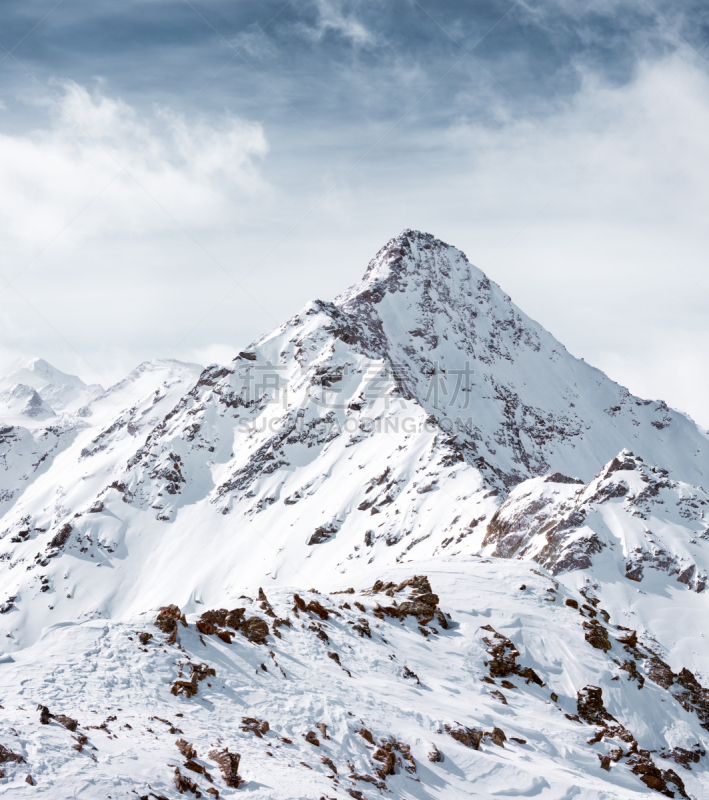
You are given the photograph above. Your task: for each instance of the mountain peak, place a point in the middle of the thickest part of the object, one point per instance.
(38, 373)
(411, 254)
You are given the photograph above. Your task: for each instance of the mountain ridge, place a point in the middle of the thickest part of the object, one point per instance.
(421, 421)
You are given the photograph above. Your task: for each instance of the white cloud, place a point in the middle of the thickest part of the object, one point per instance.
(604, 257)
(332, 16)
(49, 175)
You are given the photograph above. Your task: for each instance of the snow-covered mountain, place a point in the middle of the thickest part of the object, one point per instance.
(419, 419)
(59, 391)
(33, 436)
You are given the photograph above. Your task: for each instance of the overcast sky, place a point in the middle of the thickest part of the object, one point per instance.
(179, 177)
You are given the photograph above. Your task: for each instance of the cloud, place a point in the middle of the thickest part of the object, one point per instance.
(587, 206)
(97, 145)
(333, 16)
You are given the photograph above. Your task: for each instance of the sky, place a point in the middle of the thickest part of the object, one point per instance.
(179, 177)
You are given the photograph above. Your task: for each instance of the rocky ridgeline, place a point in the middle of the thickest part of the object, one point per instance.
(312, 630)
(388, 755)
(414, 598)
(422, 604)
(590, 709)
(560, 522)
(642, 664)
(411, 396)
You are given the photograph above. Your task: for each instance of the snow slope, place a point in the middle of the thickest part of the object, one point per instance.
(120, 691)
(421, 418)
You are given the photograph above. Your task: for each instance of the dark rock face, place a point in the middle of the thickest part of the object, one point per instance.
(596, 635)
(45, 717)
(67, 722)
(61, 537)
(186, 749)
(229, 765)
(435, 754)
(323, 534)
(589, 706)
(183, 783)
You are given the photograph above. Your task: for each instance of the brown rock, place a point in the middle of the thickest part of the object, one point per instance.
(630, 666)
(312, 738)
(498, 737)
(388, 760)
(530, 676)
(235, 618)
(255, 630)
(317, 608)
(328, 763)
(365, 734)
(229, 765)
(496, 693)
(67, 722)
(255, 726)
(168, 617)
(205, 627)
(8, 755)
(189, 688)
(653, 782)
(434, 754)
(408, 673)
(631, 639)
(217, 617)
(589, 705)
(362, 628)
(183, 783)
(193, 766)
(186, 749)
(470, 737)
(659, 672)
(596, 635)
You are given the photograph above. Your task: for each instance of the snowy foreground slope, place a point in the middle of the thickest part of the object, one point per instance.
(419, 425)
(463, 713)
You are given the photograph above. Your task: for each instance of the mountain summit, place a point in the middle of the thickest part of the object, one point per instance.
(386, 426)
(419, 421)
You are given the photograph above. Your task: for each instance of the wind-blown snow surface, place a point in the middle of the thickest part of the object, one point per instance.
(413, 418)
